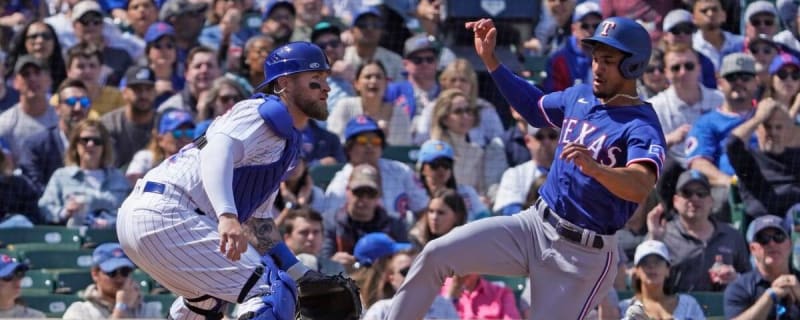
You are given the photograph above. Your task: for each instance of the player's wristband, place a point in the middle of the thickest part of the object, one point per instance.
(284, 257)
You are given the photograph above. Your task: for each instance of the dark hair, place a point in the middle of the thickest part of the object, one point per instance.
(451, 183)
(55, 64)
(668, 289)
(453, 200)
(70, 83)
(287, 226)
(197, 50)
(84, 50)
(369, 62)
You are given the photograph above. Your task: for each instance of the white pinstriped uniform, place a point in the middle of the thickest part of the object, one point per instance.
(164, 235)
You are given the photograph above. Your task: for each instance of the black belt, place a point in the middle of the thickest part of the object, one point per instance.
(160, 188)
(567, 230)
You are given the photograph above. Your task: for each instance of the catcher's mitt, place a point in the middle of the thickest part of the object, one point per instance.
(321, 297)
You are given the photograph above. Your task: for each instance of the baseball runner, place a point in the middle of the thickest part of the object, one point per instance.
(609, 154)
(200, 223)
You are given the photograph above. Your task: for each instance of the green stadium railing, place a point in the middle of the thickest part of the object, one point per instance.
(53, 305)
(39, 234)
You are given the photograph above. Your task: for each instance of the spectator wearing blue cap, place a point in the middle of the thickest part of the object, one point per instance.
(37, 159)
(768, 177)
(161, 56)
(362, 213)
(401, 194)
(769, 291)
(88, 190)
(435, 171)
(114, 294)
(11, 306)
(784, 80)
(569, 64)
(367, 30)
(370, 84)
(130, 125)
(515, 185)
(175, 129)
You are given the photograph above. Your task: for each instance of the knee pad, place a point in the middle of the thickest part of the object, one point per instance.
(279, 303)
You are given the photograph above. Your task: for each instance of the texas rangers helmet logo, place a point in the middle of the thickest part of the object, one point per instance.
(607, 26)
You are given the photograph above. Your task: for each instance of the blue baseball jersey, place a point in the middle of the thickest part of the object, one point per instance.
(617, 136)
(709, 135)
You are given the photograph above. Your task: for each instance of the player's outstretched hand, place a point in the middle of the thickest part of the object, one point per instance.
(232, 240)
(485, 41)
(581, 157)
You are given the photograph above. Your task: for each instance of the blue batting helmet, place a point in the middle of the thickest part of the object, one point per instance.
(627, 36)
(292, 58)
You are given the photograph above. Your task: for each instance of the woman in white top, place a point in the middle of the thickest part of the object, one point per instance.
(654, 297)
(371, 83)
(175, 129)
(460, 75)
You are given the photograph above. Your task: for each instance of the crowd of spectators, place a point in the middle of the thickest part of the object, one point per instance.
(98, 92)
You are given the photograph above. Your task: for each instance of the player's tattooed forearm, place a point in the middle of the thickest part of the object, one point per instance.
(262, 234)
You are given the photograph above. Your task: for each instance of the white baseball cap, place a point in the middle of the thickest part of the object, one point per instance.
(649, 247)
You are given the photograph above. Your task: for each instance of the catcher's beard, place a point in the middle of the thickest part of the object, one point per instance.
(313, 108)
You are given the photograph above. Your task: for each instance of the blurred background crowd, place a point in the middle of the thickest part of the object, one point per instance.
(418, 142)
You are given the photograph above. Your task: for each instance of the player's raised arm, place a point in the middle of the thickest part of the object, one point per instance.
(521, 95)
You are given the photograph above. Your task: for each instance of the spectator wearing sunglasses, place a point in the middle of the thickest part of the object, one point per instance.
(516, 183)
(130, 125)
(396, 270)
(678, 29)
(761, 17)
(37, 160)
(419, 90)
(769, 175)
(570, 64)
(161, 56)
(764, 50)
(697, 241)
(361, 214)
(710, 39)
(771, 289)
(88, 190)
(653, 81)
(401, 194)
(114, 293)
(784, 80)
(367, 30)
(175, 129)
(435, 171)
(38, 39)
(328, 37)
(11, 275)
(225, 91)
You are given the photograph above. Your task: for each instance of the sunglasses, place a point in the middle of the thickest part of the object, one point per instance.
(419, 60)
(699, 193)
(365, 193)
(541, 136)
(44, 35)
(164, 45)
(762, 50)
(589, 26)
(124, 272)
(229, 98)
(375, 141)
(765, 22)
(463, 111)
(440, 164)
(369, 25)
(16, 275)
(744, 77)
(335, 43)
(84, 102)
(654, 68)
(785, 74)
(91, 21)
(95, 140)
(764, 238)
(404, 271)
(685, 29)
(185, 133)
(688, 66)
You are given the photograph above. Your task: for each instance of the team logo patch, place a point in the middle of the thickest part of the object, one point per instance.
(657, 150)
(116, 253)
(314, 65)
(607, 27)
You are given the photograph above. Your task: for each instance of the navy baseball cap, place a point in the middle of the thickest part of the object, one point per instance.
(10, 265)
(139, 75)
(272, 4)
(173, 119)
(781, 60)
(435, 149)
(157, 31)
(689, 176)
(361, 124)
(377, 245)
(365, 12)
(765, 222)
(110, 257)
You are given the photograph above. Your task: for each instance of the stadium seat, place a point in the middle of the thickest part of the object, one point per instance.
(323, 174)
(72, 281)
(537, 66)
(39, 234)
(57, 259)
(711, 302)
(37, 282)
(91, 238)
(163, 300)
(16, 248)
(144, 280)
(405, 154)
(52, 305)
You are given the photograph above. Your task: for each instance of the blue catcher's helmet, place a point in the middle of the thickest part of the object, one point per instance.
(627, 36)
(292, 58)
